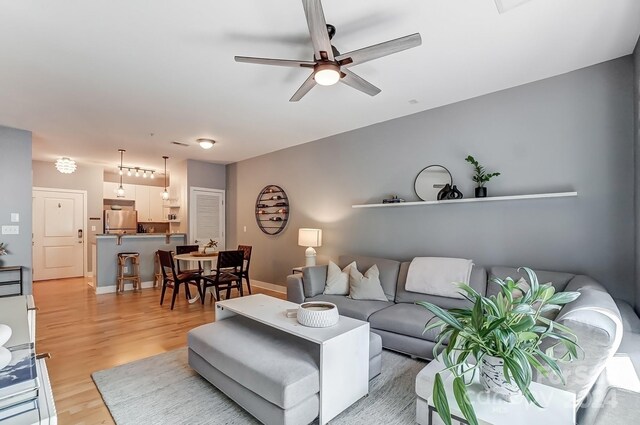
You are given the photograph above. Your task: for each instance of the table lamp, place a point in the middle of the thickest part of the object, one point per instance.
(310, 238)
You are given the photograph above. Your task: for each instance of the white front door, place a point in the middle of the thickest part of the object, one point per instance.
(206, 216)
(58, 234)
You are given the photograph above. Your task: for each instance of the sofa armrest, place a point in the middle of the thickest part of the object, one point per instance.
(295, 289)
(595, 320)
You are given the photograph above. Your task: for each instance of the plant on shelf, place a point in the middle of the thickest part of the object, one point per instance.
(480, 177)
(3, 249)
(503, 333)
(210, 244)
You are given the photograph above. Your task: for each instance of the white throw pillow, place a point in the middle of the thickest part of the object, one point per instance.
(337, 280)
(367, 286)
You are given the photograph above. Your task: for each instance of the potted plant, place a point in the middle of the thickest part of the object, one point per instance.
(480, 177)
(503, 334)
(210, 244)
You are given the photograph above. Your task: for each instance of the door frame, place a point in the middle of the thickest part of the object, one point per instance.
(85, 262)
(192, 213)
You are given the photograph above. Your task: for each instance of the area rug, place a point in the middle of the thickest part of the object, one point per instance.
(164, 390)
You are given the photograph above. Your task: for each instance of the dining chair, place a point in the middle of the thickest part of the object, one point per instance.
(171, 278)
(246, 250)
(228, 274)
(188, 249)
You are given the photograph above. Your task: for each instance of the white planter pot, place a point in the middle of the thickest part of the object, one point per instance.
(493, 379)
(318, 314)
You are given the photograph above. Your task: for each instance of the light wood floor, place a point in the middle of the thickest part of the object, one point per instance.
(85, 332)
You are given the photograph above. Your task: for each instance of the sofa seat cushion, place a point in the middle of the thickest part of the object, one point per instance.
(357, 309)
(278, 367)
(405, 319)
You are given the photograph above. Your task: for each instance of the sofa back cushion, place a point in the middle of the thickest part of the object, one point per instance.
(478, 282)
(389, 270)
(314, 279)
(558, 279)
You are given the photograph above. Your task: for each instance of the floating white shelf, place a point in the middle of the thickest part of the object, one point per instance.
(466, 200)
(171, 206)
(173, 221)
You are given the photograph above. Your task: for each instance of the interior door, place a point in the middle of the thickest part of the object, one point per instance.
(58, 234)
(206, 216)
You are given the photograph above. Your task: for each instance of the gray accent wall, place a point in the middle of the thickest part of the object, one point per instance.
(570, 132)
(86, 177)
(15, 197)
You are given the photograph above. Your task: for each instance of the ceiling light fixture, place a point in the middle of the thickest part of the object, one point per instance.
(66, 165)
(153, 175)
(327, 74)
(206, 143)
(120, 191)
(129, 172)
(137, 172)
(165, 194)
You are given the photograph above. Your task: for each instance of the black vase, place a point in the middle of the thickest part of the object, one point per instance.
(444, 192)
(481, 192)
(455, 193)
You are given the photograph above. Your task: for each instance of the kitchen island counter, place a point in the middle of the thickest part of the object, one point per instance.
(146, 244)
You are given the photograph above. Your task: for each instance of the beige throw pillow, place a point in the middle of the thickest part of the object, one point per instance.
(337, 280)
(367, 286)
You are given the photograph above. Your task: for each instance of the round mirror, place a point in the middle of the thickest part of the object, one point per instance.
(430, 181)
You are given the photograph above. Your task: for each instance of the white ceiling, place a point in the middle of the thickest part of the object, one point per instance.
(89, 77)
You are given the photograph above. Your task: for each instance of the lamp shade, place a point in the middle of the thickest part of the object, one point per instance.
(310, 237)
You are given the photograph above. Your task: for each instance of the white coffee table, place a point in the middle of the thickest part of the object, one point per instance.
(559, 405)
(343, 348)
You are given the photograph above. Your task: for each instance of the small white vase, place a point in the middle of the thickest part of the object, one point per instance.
(5, 334)
(492, 379)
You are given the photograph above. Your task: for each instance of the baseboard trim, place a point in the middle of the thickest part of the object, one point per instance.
(270, 286)
(127, 287)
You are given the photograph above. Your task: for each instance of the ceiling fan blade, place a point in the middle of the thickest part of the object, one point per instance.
(379, 50)
(353, 80)
(318, 29)
(276, 62)
(308, 84)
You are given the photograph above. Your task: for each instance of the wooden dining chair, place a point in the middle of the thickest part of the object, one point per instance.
(228, 274)
(171, 278)
(246, 251)
(188, 249)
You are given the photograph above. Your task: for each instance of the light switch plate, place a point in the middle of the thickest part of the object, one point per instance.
(15, 217)
(93, 228)
(10, 230)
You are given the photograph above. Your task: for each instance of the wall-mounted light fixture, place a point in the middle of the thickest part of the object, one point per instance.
(66, 165)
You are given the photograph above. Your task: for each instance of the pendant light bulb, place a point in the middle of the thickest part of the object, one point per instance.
(153, 175)
(120, 191)
(144, 174)
(129, 172)
(137, 172)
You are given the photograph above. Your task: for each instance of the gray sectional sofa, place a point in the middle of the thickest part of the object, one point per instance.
(594, 316)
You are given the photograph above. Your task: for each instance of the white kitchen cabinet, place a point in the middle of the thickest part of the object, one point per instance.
(157, 212)
(149, 204)
(110, 191)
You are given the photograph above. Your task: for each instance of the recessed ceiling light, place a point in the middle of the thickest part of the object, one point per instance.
(206, 143)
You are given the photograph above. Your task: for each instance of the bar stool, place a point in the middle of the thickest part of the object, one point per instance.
(157, 271)
(134, 276)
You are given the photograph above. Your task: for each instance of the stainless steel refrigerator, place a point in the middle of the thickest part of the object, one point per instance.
(120, 221)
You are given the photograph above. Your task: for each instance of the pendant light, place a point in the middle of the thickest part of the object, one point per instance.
(120, 191)
(165, 194)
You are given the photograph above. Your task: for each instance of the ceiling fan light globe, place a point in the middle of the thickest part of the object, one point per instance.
(327, 76)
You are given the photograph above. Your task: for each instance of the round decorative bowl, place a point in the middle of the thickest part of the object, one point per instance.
(318, 314)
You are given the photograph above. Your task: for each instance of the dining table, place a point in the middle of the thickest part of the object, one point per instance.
(207, 265)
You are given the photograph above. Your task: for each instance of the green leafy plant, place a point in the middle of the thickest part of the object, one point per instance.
(481, 176)
(3, 249)
(511, 326)
(210, 244)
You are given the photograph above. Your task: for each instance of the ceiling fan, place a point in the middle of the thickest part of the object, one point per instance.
(329, 65)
